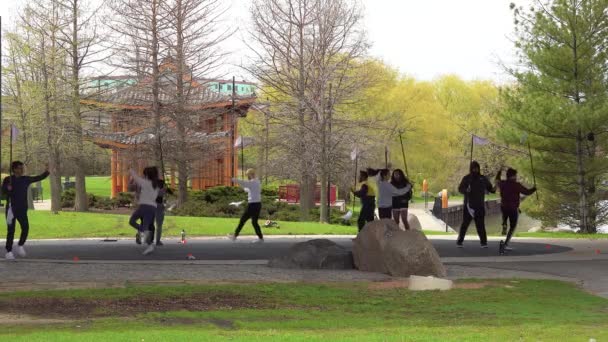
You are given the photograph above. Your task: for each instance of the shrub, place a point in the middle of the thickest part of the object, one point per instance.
(105, 203)
(68, 198)
(125, 199)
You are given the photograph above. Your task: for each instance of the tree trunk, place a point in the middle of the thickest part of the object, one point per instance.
(55, 180)
(181, 115)
(324, 212)
(306, 194)
(582, 191)
(81, 200)
(324, 209)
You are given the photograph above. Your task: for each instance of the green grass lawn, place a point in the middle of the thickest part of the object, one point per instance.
(45, 225)
(96, 185)
(505, 310)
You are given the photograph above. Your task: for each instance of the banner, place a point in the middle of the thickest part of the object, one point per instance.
(480, 141)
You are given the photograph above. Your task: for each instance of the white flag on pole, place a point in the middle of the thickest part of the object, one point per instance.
(238, 142)
(480, 141)
(354, 153)
(14, 133)
(9, 215)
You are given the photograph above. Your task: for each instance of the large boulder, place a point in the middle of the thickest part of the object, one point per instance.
(414, 222)
(382, 247)
(315, 254)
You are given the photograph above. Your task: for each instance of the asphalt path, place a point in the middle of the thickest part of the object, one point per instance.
(224, 249)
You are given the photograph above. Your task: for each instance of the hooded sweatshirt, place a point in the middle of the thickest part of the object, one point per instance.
(474, 187)
(147, 193)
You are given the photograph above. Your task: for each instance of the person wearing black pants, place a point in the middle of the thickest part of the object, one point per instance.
(474, 187)
(367, 195)
(254, 199)
(15, 188)
(510, 198)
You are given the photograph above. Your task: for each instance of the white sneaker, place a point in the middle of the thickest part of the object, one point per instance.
(144, 237)
(9, 256)
(507, 248)
(232, 237)
(258, 241)
(149, 250)
(20, 251)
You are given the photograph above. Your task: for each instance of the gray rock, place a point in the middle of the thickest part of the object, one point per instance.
(413, 222)
(315, 254)
(382, 247)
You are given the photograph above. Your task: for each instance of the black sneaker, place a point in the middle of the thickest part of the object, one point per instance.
(484, 246)
(459, 245)
(137, 239)
(158, 243)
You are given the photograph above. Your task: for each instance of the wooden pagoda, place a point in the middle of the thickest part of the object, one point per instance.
(130, 130)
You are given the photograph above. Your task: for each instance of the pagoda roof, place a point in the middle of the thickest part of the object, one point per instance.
(139, 97)
(147, 135)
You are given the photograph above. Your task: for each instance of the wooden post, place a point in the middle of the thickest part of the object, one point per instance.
(113, 174)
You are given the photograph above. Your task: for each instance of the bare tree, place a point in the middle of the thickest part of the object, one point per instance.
(307, 56)
(43, 22)
(80, 40)
(194, 35)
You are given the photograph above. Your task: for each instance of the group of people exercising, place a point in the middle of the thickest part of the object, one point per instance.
(393, 189)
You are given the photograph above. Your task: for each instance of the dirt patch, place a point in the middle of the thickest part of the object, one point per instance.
(82, 308)
(18, 319)
(388, 285)
(220, 323)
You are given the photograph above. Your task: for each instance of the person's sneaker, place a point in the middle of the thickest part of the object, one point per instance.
(459, 245)
(149, 250)
(484, 246)
(20, 251)
(144, 236)
(258, 241)
(9, 256)
(137, 239)
(507, 248)
(232, 237)
(158, 243)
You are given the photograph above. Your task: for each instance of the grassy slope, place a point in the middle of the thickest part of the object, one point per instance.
(524, 310)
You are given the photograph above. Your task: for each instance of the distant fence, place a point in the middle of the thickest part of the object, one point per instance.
(453, 214)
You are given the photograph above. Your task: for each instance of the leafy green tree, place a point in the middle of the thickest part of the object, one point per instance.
(560, 103)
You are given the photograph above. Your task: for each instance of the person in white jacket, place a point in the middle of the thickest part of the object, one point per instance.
(254, 205)
(386, 193)
(146, 205)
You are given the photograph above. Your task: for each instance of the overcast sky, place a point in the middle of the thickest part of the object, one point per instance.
(422, 38)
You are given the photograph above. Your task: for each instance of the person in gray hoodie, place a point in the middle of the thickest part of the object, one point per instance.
(386, 192)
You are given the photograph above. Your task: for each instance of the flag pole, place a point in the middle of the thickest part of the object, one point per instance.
(472, 144)
(532, 167)
(356, 167)
(385, 157)
(242, 157)
(403, 153)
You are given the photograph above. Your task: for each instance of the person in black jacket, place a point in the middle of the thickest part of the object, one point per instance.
(15, 188)
(474, 187)
(367, 194)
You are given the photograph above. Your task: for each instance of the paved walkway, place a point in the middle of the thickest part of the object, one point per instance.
(120, 263)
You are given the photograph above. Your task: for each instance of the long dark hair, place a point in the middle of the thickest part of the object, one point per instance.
(151, 173)
(400, 183)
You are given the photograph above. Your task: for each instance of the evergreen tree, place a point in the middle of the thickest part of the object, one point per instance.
(560, 104)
